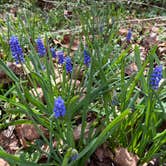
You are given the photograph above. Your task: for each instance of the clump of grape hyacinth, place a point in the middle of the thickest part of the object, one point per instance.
(59, 107)
(53, 53)
(156, 76)
(87, 58)
(40, 47)
(16, 50)
(60, 55)
(129, 35)
(68, 64)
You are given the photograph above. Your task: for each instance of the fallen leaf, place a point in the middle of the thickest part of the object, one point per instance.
(132, 68)
(149, 41)
(153, 162)
(68, 14)
(161, 49)
(103, 152)
(123, 31)
(16, 68)
(28, 132)
(125, 158)
(68, 41)
(102, 157)
(46, 5)
(155, 29)
(8, 132)
(143, 53)
(9, 142)
(3, 162)
(77, 131)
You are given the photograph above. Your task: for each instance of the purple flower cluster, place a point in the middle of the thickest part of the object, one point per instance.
(156, 76)
(17, 53)
(60, 55)
(40, 47)
(74, 157)
(87, 58)
(129, 35)
(16, 50)
(53, 53)
(68, 64)
(59, 107)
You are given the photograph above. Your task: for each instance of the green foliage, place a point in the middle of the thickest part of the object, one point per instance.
(132, 123)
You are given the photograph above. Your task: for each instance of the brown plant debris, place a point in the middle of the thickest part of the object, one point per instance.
(125, 158)
(28, 132)
(17, 69)
(102, 157)
(9, 141)
(3, 162)
(161, 49)
(153, 162)
(132, 68)
(77, 131)
(68, 41)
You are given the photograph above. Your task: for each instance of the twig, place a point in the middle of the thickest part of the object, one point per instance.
(161, 25)
(106, 1)
(78, 29)
(160, 18)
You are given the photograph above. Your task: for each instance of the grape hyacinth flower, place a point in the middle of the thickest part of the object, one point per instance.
(87, 58)
(74, 154)
(53, 53)
(74, 157)
(60, 55)
(40, 47)
(156, 76)
(68, 65)
(129, 35)
(59, 107)
(16, 50)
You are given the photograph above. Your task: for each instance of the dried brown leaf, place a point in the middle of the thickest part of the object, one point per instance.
(28, 132)
(3, 162)
(16, 68)
(68, 41)
(132, 68)
(161, 49)
(77, 131)
(125, 158)
(9, 141)
(123, 31)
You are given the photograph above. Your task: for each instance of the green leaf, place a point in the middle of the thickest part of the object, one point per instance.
(91, 147)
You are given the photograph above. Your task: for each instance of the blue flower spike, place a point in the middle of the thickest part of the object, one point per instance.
(69, 66)
(156, 77)
(40, 47)
(53, 53)
(87, 58)
(59, 107)
(61, 58)
(16, 50)
(74, 154)
(129, 35)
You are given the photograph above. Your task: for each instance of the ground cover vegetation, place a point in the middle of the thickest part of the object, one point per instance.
(82, 83)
